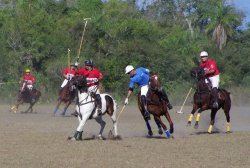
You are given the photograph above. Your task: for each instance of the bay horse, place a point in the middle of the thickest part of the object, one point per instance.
(156, 106)
(87, 109)
(67, 95)
(25, 95)
(202, 100)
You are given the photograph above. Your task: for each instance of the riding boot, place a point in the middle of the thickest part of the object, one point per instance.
(215, 97)
(144, 106)
(164, 97)
(99, 103)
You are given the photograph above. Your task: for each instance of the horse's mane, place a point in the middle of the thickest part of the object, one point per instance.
(197, 73)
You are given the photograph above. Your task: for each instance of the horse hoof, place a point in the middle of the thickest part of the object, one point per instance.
(160, 132)
(196, 126)
(171, 130)
(100, 137)
(188, 124)
(150, 133)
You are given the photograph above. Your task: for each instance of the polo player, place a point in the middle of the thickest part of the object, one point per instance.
(69, 73)
(28, 79)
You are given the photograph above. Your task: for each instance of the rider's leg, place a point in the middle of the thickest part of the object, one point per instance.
(99, 103)
(215, 97)
(144, 91)
(164, 96)
(215, 84)
(144, 106)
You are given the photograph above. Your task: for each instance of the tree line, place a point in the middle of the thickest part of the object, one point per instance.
(165, 36)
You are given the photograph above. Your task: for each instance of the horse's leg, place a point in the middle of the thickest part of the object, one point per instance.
(78, 134)
(113, 117)
(170, 122)
(102, 124)
(30, 108)
(159, 126)
(14, 108)
(226, 107)
(191, 115)
(163, 126)
(57, 106)
(66, 107)
(213, 113)
(150, 132)
(198, 116)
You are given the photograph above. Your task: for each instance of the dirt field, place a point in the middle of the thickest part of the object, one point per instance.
(40, 140)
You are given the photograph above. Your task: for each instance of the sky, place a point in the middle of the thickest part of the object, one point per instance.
(243, 5)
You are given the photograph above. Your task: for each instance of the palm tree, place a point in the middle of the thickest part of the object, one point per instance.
(223, 21)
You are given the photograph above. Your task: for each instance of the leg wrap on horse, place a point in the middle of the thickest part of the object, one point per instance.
(164, 97)
(78, 135)
(215, 97)
(144, 106)
(99, 103)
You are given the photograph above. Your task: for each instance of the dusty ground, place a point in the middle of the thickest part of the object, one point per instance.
(40, 140)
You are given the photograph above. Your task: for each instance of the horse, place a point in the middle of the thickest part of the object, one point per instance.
(25, 95)
(202, 100)
(67, 95)
(87, 109)
(156, 106)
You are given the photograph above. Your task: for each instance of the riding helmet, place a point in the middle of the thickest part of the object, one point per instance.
(89, 62)
(203, 54)
(27, 70)
(128, 69)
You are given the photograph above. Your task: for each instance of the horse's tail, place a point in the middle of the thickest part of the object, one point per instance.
(227, 99)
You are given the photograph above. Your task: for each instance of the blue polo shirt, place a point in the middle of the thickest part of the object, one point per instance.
(140, 78)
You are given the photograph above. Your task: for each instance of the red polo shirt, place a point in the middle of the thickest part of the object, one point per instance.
(210, 65)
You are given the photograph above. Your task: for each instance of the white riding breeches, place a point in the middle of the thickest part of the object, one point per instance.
(144, 90)
(64, 83)
(215, 80)
(30, 87)
(94, 89)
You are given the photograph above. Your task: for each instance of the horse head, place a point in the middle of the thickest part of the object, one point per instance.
(23, 86)
(198, 73)
(154, 81)
(199, 76)
(79, 82)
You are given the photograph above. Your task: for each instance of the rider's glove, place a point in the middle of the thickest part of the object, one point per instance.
(126, 101)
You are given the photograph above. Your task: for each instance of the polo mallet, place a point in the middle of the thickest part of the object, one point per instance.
(120, 112)
(85, 25)
(110, 132)
(180, 112)
(69, 58)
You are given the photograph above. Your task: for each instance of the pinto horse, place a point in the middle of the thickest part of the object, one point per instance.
(25, 95)
(202, 100)
(156, 106)
(87, 109)
(67, 95)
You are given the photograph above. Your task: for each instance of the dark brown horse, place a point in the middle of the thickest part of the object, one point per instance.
(202, 100)
(156, 106)
(67, 95)
(25, 95)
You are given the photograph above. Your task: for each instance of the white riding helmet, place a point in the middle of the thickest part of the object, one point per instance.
(203, 54)
(128, 69)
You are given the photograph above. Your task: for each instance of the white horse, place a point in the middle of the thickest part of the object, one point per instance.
(86, 109)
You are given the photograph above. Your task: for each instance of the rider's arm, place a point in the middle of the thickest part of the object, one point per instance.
(130, 90)
(211, 69)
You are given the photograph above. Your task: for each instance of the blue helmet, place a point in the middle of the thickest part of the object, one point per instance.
(89, 62)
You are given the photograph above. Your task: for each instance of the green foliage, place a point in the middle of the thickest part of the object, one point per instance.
(165, 37)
